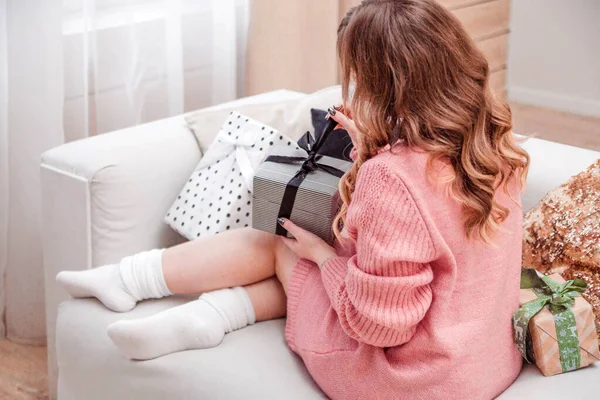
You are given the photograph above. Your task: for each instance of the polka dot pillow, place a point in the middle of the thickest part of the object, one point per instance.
(218, 195)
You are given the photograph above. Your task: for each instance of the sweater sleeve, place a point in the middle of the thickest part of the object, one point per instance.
(382, 292)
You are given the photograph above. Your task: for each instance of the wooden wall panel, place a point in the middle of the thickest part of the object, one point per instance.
(346, 5)
(454, 4)
(283, 53)
(291, 45)
(486, 19)
(498, 81)
(495, 49)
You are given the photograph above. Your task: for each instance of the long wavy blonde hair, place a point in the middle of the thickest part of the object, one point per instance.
(419, 78)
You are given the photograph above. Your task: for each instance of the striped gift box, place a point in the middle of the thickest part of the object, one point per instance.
(317, 199)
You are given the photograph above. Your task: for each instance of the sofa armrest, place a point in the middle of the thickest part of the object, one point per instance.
(105, 197)
(552, 164)
(115, 188)
(118, 186)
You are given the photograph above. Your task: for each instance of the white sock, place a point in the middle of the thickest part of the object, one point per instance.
(120, 286)
(199, 324)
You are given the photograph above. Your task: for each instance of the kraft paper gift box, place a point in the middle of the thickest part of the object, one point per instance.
(554, 326)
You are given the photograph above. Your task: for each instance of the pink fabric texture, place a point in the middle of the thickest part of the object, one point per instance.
(411, 308)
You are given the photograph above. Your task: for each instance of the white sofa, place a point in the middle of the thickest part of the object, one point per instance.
(105, 197)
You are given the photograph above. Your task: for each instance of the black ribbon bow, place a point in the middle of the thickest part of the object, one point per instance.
(309, 164)
(339, 148)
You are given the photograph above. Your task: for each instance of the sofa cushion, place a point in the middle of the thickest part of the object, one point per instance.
(532, 385)
(252, 363)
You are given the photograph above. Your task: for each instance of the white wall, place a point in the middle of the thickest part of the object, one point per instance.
(554, 54)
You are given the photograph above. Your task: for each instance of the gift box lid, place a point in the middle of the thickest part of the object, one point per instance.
(315, 194)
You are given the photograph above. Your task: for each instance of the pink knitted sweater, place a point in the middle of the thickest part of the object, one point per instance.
(413, 309)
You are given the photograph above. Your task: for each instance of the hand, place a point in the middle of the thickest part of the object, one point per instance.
(305, 244)
(338, 114)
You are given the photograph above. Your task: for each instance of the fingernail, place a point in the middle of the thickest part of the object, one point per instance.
(331, 110)
(280, 221)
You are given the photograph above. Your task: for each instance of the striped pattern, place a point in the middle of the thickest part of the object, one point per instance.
(317, 200)
(383, 292)
(264, 218)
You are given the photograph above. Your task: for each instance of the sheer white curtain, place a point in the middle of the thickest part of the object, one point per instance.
(30, 123)
(70, 69)
(140, 60)
(3, 159)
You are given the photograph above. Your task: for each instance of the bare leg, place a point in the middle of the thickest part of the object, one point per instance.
(256, 260)
(268, 299)
(236, 258)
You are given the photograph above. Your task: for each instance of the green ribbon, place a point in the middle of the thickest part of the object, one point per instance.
(558, 298)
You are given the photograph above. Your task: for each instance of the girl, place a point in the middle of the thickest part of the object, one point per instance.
(417, 300)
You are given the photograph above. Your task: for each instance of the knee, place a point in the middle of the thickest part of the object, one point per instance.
(282, 257)
(269, 244)
(264, 241)
(278, 253)
(285, 261)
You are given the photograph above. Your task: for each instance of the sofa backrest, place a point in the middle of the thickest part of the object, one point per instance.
(291, 117)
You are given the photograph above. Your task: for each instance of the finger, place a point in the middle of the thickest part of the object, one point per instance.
(333, 110)
(345, 110)
(290, 227)
(341, 119)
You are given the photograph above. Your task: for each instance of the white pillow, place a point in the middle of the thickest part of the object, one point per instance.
(291, 117)
(218, 195)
